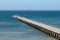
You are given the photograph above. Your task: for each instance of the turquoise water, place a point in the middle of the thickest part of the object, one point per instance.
(11, 29)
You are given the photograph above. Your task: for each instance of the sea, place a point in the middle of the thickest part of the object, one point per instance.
(12, 29)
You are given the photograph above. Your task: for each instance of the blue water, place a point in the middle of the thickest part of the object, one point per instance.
(11, 29)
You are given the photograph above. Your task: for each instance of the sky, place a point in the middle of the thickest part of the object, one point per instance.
(29, 4)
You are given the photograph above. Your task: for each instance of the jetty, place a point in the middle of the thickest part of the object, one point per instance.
(50, 30)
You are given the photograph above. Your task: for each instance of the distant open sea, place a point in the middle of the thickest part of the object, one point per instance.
(11, 29)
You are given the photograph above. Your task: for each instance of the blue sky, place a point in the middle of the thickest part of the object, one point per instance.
(29, 4)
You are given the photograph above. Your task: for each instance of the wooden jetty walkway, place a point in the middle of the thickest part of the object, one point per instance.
(52, 31)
